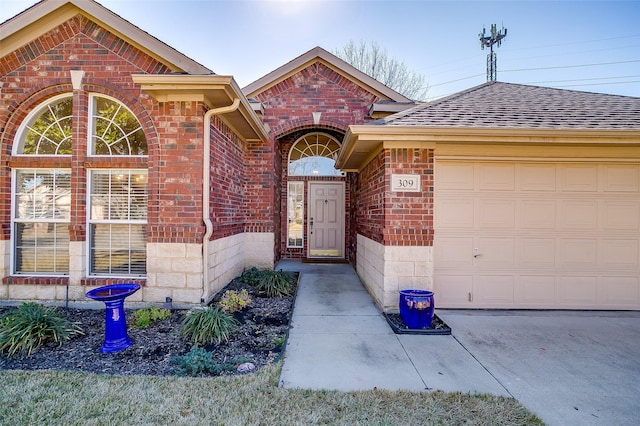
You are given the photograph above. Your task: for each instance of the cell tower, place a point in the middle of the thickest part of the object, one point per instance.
(488, 41)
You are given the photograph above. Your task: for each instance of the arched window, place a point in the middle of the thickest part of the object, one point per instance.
(115, 130)
(314, 154)
(47, 130)
(116, 197)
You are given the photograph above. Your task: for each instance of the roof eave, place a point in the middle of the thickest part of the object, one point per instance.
(48, 14)
(213, 90)
(362, 141)
(343, 68)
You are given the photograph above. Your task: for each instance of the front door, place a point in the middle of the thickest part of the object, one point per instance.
(326, 219)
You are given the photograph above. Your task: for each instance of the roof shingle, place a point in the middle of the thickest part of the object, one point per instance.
(506, 105)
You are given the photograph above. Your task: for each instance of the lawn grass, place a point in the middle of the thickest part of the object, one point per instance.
(76, 398)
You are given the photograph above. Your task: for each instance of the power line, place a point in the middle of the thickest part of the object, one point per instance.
(582, 79)
(573, 66)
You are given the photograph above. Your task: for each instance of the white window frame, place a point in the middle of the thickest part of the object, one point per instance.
(15, 221)
(289, 209)
(90, 222)
(18, 143)
(91, 149)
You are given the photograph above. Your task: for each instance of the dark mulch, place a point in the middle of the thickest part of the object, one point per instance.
(259, 339)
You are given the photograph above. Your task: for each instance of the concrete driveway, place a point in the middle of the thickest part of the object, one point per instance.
(570, 368)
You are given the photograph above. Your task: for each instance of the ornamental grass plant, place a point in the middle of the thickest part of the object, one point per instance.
(32, 325)
(206, 325)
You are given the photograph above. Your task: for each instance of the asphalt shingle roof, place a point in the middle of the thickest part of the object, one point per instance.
(505, 105)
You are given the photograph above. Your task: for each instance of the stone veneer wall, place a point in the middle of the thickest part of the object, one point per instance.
(385, 270)
(230, 256)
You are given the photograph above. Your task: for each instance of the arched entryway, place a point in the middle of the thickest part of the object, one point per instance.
(314, 203)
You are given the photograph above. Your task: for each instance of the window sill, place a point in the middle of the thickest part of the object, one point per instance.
(35, 280)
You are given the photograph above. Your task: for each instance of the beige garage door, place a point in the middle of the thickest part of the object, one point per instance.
(537, 235)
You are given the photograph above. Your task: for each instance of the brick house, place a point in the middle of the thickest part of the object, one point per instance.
(122, 160)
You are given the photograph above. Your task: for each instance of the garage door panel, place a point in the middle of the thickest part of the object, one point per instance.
(454, 252)
(621, 178)
(623, 292)
(618, 253)
(578, 214)
(577, 291)
(577, 252)
(454, 213)
(455, 176)
(537, 290)
(495, 290)
(496, 177)
(537, 253)
(537, 214)
(494, 252)
(621, 216)
(496, 213)
(452, 290)
(579, 178)
(538, 177)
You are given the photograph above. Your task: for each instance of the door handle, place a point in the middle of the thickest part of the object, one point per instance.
(476, 254)
(310, 225)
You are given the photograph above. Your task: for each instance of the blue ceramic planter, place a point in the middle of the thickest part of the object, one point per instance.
(115, 327)
(416, 308)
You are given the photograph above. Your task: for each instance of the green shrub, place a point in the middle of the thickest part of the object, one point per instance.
(32, 325)
(276, 283)
(251, 276)
(208, 325)
(143, 318)
(198, 362)
(233, 301)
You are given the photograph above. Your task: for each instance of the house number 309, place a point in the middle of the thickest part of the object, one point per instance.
(405, 183)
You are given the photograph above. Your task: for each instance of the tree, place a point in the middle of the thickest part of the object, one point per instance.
(374, 61)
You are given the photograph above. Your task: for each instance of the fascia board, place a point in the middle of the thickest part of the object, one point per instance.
(318, 54)
(48, 14)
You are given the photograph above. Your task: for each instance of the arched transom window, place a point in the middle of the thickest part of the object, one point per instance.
(314, 154)
(116, 196)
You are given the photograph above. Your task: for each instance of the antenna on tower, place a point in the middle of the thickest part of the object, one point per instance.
(488, 41)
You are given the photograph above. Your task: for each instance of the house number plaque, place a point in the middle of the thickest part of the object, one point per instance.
(405, 183)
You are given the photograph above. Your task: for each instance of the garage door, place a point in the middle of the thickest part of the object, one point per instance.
(537, 235)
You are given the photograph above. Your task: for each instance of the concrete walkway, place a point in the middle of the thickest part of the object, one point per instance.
(567, 367)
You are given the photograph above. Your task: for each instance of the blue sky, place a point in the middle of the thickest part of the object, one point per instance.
(580, 45)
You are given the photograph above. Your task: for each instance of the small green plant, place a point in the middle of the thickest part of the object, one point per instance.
(276, 283)
(234, 301)
(143, 318)
(206, 325)
(251, 276)
(198, 361)
(32, 325)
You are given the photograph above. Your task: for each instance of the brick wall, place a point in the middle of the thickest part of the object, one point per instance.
(408, 216)
(289, 108)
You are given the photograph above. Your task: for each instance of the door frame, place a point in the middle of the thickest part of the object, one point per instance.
(341, 215)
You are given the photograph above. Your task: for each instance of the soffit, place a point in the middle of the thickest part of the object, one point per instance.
(215, 91)
(49, 14)
(320, 55)
(361, 143)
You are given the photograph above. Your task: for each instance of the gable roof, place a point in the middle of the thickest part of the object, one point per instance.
(318, 54)
(505, 105)
(48, 14)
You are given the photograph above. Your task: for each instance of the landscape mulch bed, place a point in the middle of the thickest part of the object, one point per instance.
(259, 339)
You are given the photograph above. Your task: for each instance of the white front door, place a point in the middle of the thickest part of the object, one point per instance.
(326, 219)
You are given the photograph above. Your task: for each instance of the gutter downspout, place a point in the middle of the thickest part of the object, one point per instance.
(206, 166)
